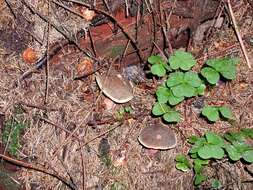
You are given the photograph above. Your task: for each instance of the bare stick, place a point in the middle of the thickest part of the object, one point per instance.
(36, 168)
(10, 8)
(127, 7)
(47, 53)
(238, 34)
(111, 17)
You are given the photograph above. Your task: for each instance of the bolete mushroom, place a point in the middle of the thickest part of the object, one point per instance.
(115, 87)
(157, 137)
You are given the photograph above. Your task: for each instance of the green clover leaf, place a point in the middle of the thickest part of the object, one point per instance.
(193, 139)
(183, 90)
(198, 179)
(158, 69)
(155, 59)
(201, 90)
(248, 156)
(241, 147)
(225, 66)
(211, 113)
(175, 78)
(181, 59)
(226, 112)
(160, 109)
(163, 94)
(229, 72)
(211, 75)
(172, 116)
(173, 100)
(183, 163)
(214, 139)
(216, 184)
(198, 165)
(197, 145)
(234, 136)
(232, 152)
(247, 132)
(192, 79)
(211, 151)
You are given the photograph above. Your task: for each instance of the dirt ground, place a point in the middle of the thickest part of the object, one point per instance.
(73, 133)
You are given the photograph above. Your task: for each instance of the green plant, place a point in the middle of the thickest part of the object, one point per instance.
(11, 135)
(118, 186)
(212, 112)
(159, 66)
(232, 145)
(185, 84)
(178, 86)
(183, 163)
(122, 111)
(167, 112)
(106, 160)
(182, 60)
(181, 83)
(216, 184)
(222, 66)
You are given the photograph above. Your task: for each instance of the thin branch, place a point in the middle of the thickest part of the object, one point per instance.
(111, 17)
(62, 128)
(92, 43)
(39, 169)
(68, 9)
(107, 6)
(98, 136)
(10, 8)
(69, 39)
(47, 53)
(238, 33)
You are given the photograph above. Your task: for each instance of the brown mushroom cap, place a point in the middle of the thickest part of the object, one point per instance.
(157, 137)
(115, 87)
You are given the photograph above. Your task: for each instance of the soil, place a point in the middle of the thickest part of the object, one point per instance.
(75, 132)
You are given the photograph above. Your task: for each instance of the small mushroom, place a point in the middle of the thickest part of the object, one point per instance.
(115, 87)
(158, 137)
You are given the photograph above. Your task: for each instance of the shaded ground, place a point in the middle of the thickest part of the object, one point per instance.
(75, 105)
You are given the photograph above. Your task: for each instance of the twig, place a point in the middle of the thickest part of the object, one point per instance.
(62, 128)
(47, 53)
(98, 136)
(124, 52)
(68, 9)
(216, 17)
(39, 169)
(154, 31)
(46, 19)
(107, 6)
(127, 8)
(69, 40)
(137, 23)
(161, 52)
(92, 43)
(238, 33)
(111, 17)
(11, 10)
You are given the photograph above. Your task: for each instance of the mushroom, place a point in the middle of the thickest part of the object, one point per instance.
(158, 137)
(115, 87)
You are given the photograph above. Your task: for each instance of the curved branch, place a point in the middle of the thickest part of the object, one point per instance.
(42, 170)
(139, 51)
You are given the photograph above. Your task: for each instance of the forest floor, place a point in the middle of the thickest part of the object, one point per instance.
(65, 124)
